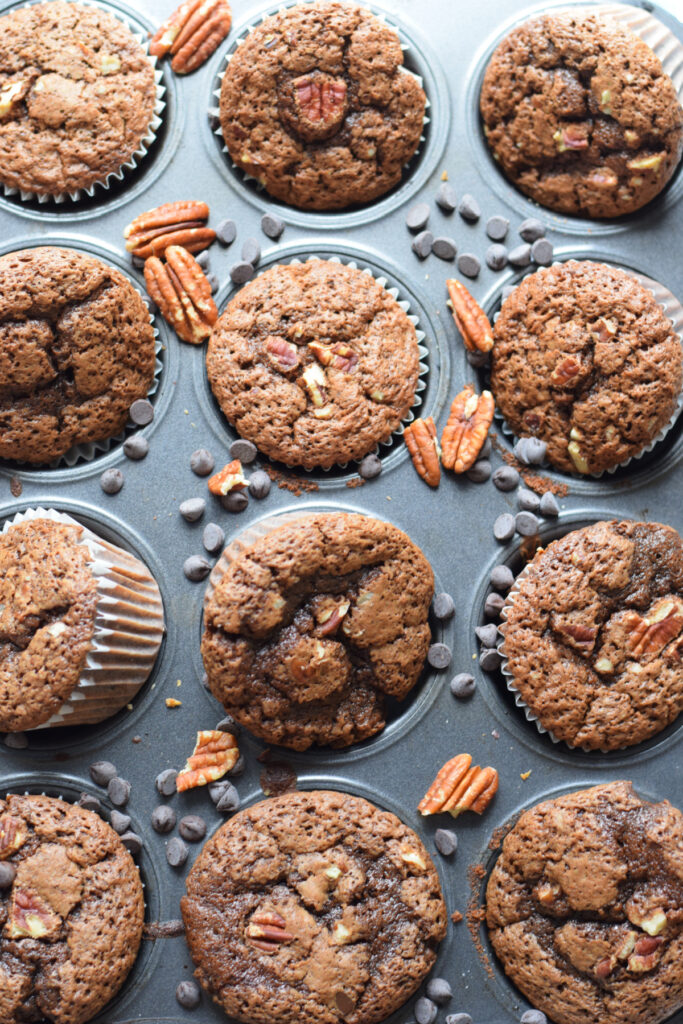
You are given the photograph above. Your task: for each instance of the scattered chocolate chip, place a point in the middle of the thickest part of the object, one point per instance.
(504, 527)
(165, 782)
(176, 852)
(445, 197)
(443, 606)
(137, 262)
(16, 740)
(259, 484)
(132, 842)
(111, 481)
(490, 659)
(214, 283)
(229, 800)
(118, 791)
(242, 272)
(345, 1003)
(226, 232)
(217, 789)
(530, 450)
(445, 248)
(102, 772)
(531, 229)
(468, 208)
(496, 257)
(497, 228)
(477, 359)
(520, 256)
(163, 819)
(228, 724)
(480, 472)
(548, 505)
(251, 251)
(202, 462)
(533, 1017)
(141, 412)
(272, 226)
(502, 577)
(438, 989)
(192, 827)
(446, 843)
(370, 467)
(188, 993)
(458, 1018)
(238, 767)
(542, 252)
(135, 447)
(425, 1011)
(192, 509)
(213, 538)
(204, 260)
(527, 500)
(90, 803)
(463, 685)
(486, 449)
(8, 873)
(422, 244)
(507, 290)
(417, 217)
(243, 450)
(506, 478)
(527, 524)
(235, 501)
(439, 656)
(196, 568)
(488, 634)
(119, 822)
(493, 605)
(469, 264)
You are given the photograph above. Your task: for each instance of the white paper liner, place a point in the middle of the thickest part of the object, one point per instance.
(128, 628)
(673, 310)
(145, 143)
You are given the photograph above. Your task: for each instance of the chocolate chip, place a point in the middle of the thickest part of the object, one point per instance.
(533, 1017)
(8, 873)
(214, 283)
(506, 478)
(497, 228)
(192, 827)
(425, 1011)
(480, 472)
(119, 822)
(548, 505)
(176, 852)
(507, 290)
(163, 819)
(192, 509)
(445, 197)
(490, 659)
(16, 740)
(132, 842)
(226, 232)
(251, 251)
(496, 257)
(345, 1003)
(542, 252)
(165, 782)
(238, 767)
(102, 772)
(90, 803)
(422, 244)
(229, 800)
(135, 447)
(242, 272)
(502, 577)
(204, 260)
(531, 229)
(370, 467)
(531, 450)
(468, 208)
(141, 412)
(527, 524)
(272, 226)
(111, 481)
(188, 993)
(235, 501)
(469, 264)
(438, 989)
(520, 256)
(118, 791)
(445, 248)
(488, 634)
(439, 656)
(477, 359)
(417, 217)
(504, 527)
(463, 685)
(202, 462)
(213, 538)
(527, 500)
(243, 450)
(443, 606)
(486, 449)
(458, 1018)
(446, 843)
(217, 789)
(228, 724)
(196, 568)
(259, 484)
(493, 605)
(138, 263)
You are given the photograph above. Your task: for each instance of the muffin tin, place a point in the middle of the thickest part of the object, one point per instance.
(448, 47)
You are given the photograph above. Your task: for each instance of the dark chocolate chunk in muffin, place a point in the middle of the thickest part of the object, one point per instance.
(580, 115)
(315, 103)
(585, 907)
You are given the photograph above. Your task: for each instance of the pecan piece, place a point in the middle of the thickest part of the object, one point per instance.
(572, 136)
(651, 634)
(182, 293)
(314, 382)
(13, 835)
(180, 223)
(566, 371)
(330, 617)
(267, 930)
(192, 33)
(470, 318)
(605, 967)
(420, 438)
(468, 425)
(319, 105)
(30, 917)
(339, 356)
(227, 479)
(646, 163)
(604, 330)
(10, 93)
(459, 787)
(646, 955)
(303, 670)
(214, 754)
(282, 354)
(583, 637)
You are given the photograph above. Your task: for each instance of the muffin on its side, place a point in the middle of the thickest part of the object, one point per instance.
(76, 350)
(72, 916)
(580, 115)
(313, 906)
(593, 634)
(316, 105)
(585, 359)
(315, 625)
(584, 907)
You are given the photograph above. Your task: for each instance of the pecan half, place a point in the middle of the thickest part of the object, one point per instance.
(460, 787)
(420, 438)
(227, 479)
(282, 354)
(468, 425)
(319, 105)
(180, 223)
(182, 293)
(651, 634)
(566, 372)
(192, 33)
(13, 835)
(214, 754)
(267, 930)
(470, 318)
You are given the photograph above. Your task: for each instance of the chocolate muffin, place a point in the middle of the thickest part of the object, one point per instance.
(592, 634)
(585, 907)
(315, 625)
(580, 115)
(77, 96)
(585, 359)
(76, 350)
(72, 909)
(316, 105)
(314, 362)
(313, 906)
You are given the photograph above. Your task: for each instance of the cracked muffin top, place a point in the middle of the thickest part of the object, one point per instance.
(593, 634)
(316, 105)
(76, 350)
(315, 625)
(48, 599)
(580, 115)
(315, 363)
(585, 359)
(77, 95)
(313, 906)
(584, 907)
(71, 910)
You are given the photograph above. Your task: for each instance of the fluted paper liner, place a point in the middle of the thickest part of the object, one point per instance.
(128, 628)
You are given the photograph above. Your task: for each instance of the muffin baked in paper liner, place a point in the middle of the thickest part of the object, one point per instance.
(128, 628)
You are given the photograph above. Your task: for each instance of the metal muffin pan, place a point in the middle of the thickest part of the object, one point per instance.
(449, 44)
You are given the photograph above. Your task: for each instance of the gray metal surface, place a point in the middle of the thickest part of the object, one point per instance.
(449, 42)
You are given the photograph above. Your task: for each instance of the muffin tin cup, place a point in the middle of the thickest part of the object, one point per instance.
(128, 628)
